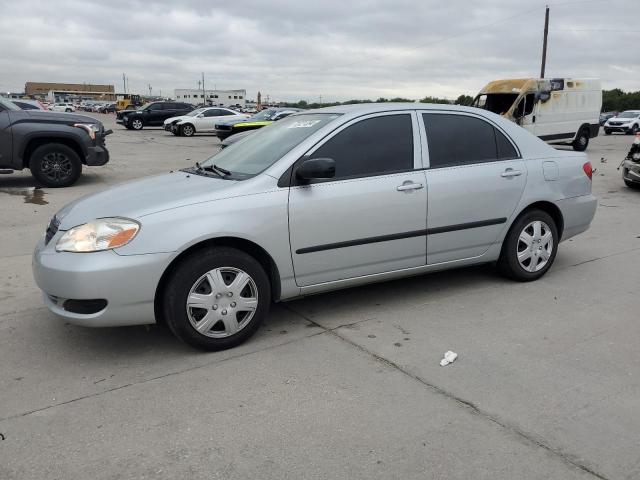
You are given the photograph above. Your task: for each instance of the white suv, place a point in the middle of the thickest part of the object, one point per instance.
(625, 122)
(62, 107)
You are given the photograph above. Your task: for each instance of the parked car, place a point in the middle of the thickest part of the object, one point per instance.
(152, 115)
(26, 104)
(557, 110)
(62, 107)
(606, 116)
(321, 200)
(108, 108)
(201, 120)
(54, 146)
(264, 118)
(235, 138)
(626, 122)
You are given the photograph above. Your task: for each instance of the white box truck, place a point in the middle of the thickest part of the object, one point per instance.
(558, 110)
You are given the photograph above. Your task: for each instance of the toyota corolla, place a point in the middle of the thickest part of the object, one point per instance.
(320, 200)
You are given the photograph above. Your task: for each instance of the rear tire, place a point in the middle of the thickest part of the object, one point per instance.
(530, 247)
(55, 165)
(201, 289)
(581, 142)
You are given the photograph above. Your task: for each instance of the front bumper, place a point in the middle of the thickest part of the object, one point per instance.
(618, 128)
(127, 282)
(96, 156)
(631, 171)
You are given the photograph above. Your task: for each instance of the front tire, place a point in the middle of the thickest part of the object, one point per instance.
(581, 143)
(55, 165)
(607, 131)
(68, 110)
(635, 129)
(530, 247)
(216, 298)
(136, 124)
(187, 130)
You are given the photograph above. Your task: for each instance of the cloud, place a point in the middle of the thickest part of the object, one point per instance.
(301, 50)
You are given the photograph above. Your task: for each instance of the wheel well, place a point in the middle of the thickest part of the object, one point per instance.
(253, 249)
(552, 210)
(37, 142)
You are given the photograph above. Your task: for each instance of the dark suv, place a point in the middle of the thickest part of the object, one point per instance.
(54, 146)
(152, 115)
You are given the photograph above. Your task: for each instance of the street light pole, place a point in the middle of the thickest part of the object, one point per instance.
(544, 42)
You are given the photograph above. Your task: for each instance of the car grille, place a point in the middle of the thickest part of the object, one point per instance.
(615, 123)
(52, 229)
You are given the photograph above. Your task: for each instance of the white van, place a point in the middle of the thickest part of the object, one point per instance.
(558, 110)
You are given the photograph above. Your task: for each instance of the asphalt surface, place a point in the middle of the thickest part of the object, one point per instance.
(340, 385)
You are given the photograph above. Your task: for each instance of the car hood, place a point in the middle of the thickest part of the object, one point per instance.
(138, 198)
(620, 119)
(51, 117)
(176, 119)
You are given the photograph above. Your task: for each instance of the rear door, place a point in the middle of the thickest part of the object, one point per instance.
(210, 117)
(475, 181)
(370, 218)
(6, 140)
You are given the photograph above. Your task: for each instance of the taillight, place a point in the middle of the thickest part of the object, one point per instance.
(588, 170)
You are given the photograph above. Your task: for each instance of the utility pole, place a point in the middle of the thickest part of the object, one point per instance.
(150, 89)
(204, 93)
(544, 42)
(124, 83)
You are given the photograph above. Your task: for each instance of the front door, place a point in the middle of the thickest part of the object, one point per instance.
(475, 181)
(370, 218)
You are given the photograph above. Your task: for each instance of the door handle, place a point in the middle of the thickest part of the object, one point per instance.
(510, 172)
(409, 186)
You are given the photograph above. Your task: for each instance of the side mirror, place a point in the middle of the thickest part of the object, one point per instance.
(544, 96)
(200, 115)
(316, 168)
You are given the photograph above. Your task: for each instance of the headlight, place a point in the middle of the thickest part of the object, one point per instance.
(90, 128)
(98, 235)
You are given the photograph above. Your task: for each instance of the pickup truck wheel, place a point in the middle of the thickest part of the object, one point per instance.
(55, 165)
(187, 130)
(530, 247)
(136, 124)
(216, 298)
(581, 142)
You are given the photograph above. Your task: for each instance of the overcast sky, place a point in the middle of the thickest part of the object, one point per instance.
(337, 49)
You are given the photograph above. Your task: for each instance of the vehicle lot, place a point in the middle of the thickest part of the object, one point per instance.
(341, 385)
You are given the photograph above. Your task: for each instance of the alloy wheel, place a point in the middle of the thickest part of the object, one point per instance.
(187, 130)
(535, 246)
(137, 124)
(56, 166)
(222, 302)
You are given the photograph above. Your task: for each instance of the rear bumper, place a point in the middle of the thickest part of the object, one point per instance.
(577, 213)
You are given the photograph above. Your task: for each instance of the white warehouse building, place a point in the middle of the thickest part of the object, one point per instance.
(219, 98)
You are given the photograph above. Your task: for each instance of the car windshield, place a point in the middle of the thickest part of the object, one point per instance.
(7, 104)
(261, 149)
(195, 112)
(628, 115)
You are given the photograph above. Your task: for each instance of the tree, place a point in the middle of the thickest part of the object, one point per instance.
(464, 100)
(429, 99)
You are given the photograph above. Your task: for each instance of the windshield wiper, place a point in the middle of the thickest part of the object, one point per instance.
(221, 172)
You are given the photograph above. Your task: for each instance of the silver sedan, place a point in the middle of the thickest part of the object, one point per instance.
(321, 200)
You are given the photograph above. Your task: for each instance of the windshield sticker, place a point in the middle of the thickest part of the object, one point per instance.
(303, 124)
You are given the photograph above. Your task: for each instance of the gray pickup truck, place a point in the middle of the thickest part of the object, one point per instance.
(54, 146)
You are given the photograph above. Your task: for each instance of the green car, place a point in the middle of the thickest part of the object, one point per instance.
(259, 120)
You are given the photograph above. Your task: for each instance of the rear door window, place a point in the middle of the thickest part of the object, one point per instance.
(456, 139)
(373, 146)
